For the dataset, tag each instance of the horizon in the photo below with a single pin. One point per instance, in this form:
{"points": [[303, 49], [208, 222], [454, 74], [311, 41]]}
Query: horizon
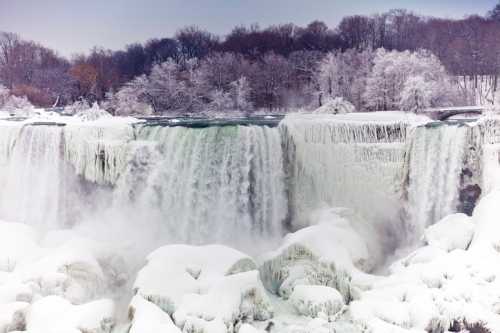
{"points": [[112, 27]]}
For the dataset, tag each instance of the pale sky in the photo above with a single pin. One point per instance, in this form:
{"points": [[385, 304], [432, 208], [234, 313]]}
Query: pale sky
{"points": [[71, 26]]}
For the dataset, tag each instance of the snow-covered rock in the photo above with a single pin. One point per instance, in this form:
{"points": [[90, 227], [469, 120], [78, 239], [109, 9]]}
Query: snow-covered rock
{"points": [[189, 269], [54, 314], [452, 232], [147, 317], [315, 300], [239, 297], [325, 254], [205, 288]]}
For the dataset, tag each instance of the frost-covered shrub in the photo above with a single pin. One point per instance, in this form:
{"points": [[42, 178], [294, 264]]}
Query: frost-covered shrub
{"points": [[92, 114], [127, 101], [336, 105], [315, 300], [77, 106], [12, 103]]}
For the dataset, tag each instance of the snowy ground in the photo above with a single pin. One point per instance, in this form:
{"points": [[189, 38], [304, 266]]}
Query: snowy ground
{"points": [[316, 281]]}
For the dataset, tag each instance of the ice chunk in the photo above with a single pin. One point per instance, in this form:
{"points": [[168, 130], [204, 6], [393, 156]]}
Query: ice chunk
{"points": [[313, 300]]}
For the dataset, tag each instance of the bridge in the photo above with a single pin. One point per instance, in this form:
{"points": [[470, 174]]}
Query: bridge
{"points": [[446, 113]]}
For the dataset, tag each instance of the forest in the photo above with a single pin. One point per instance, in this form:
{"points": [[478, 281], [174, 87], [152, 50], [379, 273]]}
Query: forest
{"points": [[390, 61]]}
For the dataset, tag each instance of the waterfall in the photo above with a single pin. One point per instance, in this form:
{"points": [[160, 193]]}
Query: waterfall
{"points": [[32, 177], [335, 162], [436, 159], [217, 184], [238, 184]]}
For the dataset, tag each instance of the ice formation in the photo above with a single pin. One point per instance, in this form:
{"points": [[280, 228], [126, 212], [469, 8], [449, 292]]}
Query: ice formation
{"points": [[322, 204]]}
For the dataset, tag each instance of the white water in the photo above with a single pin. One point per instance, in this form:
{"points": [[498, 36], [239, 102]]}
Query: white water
{"points": [[436, 159], [219, 184]]}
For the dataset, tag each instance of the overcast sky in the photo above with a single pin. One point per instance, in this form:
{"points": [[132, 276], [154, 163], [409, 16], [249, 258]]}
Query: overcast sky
{"points": [[71, 26]]}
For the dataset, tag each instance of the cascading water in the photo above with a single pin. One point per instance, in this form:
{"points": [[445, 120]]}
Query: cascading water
{"points": [[218, 184], [32, 179], [436, 157], [231, 184]]}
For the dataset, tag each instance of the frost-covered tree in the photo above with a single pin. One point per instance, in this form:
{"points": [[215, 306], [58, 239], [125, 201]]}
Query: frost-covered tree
{"points": [[220, 101], [344, 75], [240, 93], [408, 80], [336, 105], [77, 106], [11, 103]]}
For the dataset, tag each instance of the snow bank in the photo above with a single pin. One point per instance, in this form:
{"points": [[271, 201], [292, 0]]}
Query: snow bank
{"points": [[452, 232], [486, 216], [444, 283], [314, 301]]}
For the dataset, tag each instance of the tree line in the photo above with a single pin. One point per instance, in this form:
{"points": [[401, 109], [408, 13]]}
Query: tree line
{"points": [[275, 68]]}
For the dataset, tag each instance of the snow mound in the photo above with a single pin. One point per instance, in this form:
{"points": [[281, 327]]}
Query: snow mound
{"points": [[325, 254], [147, 317], [18, 243], [187, 281], [58, 264], [452, 232], [77, 269], [442, 285], [93, 114], [246, 328], [54, 314], [335, 106], [486, 217], [189, 269], [314, 301], [239, 297]]}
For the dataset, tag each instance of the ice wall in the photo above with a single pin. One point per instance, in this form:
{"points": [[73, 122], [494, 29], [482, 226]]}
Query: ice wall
{"points": [[346, 162]]}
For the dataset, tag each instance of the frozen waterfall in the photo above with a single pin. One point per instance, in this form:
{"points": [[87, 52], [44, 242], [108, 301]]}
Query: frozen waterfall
{"points": [[237, 184]]}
